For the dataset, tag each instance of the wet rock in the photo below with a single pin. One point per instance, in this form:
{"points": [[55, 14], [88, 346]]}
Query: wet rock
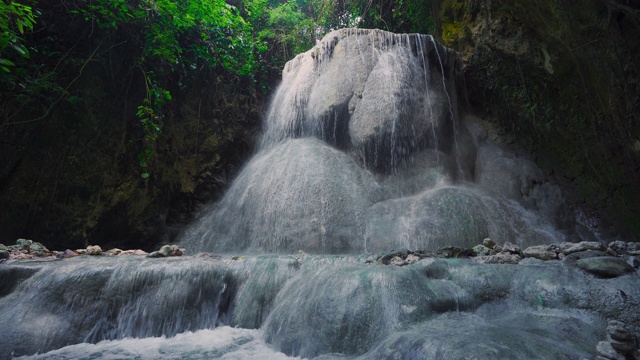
{"points": [[542, 252], [454, 252], [623, 346], [616, 331], [4, 254], [583, 255], [386, 258], [411, 259], [171, 250], [606, 350], [604, 266], [488, 243], [133, 252], [2, 247], [155, 254], [511, 248], [481, 250], [618, 246], [94, 250], [114, 251], [632, 260], [499, 258], [397, 261], [570, 248], [24, 244], [69, 253]]}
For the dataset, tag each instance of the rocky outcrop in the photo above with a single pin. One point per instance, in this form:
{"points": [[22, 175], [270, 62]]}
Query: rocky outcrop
{"points": [[362, 90], [562, 80]]}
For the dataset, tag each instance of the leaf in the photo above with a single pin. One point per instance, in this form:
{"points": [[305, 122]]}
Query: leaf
{"points": [[143, 163], [6, 62], [21, 50], [144, 175]]}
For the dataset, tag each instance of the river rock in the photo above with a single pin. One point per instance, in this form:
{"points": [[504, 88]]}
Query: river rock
{"points": [[114, 251], [411, 259], [397, 261], [4, 254], [604, 266], [618, 246], [616, 331], [632, 260], [499, 258], [155, 254], [481, 250], [94, 250], [583, 255], [134, 252], [488, 243], [542, 252], [606, 350], [569, 248], [69, 254], [511, 248], [171, 250]]}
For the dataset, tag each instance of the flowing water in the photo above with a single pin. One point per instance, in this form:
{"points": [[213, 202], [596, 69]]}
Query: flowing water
{"points": [[364, 150]]}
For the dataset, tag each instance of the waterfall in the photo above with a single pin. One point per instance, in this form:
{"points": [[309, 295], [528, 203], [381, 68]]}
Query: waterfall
{"points": [[364, 150]]}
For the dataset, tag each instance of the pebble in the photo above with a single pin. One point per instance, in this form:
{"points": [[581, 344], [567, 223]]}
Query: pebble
{"points": [[542, 252]]}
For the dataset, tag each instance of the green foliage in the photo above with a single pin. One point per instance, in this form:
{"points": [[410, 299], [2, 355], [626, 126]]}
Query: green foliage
{"points": [[15, 19]]}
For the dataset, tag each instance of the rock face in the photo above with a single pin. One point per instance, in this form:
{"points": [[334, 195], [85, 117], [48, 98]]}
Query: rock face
{"points": [[363, 90], [364, 151]]}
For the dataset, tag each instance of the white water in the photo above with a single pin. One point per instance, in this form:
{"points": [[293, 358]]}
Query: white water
{"points": [[363, 151]]}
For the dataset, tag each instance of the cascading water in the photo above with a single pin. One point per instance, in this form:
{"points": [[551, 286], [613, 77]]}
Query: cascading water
{"points": [[363, 151]]}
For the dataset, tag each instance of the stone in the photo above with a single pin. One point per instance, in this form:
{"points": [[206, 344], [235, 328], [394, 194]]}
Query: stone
{"points": [[114, 251], [617, 331], [385, 259], [397, 261], [604, 266], [133, 252], [2, 247], [618, 246], [542, 252], [411, 259], [69, 254], [81, 251], [623, 346], [632, 260], [24, 244], [94, 250], [4, 254], [488, 243], [499, 258], [606, 350], [583, 255], [511, 248], [481, 250], [171, 250], [569, 248], [155, 254]]}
